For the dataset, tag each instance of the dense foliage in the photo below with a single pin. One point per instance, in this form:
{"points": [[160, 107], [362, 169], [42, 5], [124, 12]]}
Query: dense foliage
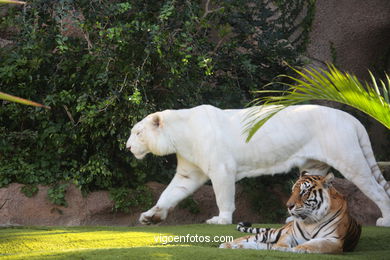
{"points": [[103, 65]]}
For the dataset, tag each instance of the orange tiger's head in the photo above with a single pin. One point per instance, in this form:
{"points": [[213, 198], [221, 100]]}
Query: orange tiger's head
{"points": [[310, 198]]}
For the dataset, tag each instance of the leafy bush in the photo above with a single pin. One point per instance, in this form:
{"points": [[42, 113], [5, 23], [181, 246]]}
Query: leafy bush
{"points": [[266, 194], [57, 193], [29, 190], [190, 204], [103, 65], [127, 199]]}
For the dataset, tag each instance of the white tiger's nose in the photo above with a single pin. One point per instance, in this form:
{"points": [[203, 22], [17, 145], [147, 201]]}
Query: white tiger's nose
{"points": [[128, 145]]}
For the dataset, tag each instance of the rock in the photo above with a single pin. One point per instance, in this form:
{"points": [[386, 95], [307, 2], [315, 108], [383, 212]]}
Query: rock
{"points": [[96, 208], [352, 34], [18, 209], [360, 206]]}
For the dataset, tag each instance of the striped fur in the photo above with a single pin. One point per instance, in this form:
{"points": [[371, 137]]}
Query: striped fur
{"points": [[369, 155], [321, 223]]}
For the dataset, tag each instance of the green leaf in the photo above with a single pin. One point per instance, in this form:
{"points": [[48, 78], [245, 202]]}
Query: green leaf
{"points": [[23, 101], [331, 85], [12, 2]]}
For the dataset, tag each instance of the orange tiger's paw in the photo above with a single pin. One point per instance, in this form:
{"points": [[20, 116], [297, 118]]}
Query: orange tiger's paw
{"points": [[303, 249], [226, 245], [282, 248]]}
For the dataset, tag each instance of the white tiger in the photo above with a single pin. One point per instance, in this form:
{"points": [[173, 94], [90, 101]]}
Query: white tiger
{"points": [[210, 145]]}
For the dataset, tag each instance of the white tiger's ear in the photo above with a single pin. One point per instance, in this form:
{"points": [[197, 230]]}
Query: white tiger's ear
{"points": [[157, 121], [328, 179]]}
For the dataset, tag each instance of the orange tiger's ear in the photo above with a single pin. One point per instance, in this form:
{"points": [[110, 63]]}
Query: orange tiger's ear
{"points": [[328, 179], [304, 173]]}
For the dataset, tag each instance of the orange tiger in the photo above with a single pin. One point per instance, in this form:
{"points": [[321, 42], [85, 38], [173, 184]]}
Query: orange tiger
{"points": [[321, 222]]}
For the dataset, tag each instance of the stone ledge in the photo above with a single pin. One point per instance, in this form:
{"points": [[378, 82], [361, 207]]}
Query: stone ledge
{"points": [[96, 208]]}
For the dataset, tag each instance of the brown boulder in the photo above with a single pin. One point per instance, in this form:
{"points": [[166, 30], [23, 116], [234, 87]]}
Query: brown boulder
{"points": [[96, 208], [360, 206]]}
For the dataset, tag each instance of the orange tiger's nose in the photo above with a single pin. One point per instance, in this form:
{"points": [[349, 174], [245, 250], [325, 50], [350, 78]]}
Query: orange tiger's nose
{"points": [[290, 205]]}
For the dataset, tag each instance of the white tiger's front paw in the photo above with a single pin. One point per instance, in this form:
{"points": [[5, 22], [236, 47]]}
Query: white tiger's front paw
{"points": [[153, 216], [219, 220], [383, 222]]}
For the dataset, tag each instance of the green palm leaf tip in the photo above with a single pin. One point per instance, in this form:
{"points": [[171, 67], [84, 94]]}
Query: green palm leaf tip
{"points": [[11, 98], [330, 85], [23, 101], [12, 2]]}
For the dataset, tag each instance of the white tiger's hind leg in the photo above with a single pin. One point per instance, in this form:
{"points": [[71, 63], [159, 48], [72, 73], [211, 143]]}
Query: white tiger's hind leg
{"points": [[377, 194], [359, 173], [382, 187]]}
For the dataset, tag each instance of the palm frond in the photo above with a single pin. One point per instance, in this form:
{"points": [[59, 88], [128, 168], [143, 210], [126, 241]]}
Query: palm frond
{"points": [[11, 98], [23, 101], [331, 85], [12, 2]]}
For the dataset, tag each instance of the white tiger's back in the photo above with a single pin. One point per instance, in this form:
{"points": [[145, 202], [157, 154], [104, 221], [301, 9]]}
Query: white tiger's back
{"points": [[286, 140]]}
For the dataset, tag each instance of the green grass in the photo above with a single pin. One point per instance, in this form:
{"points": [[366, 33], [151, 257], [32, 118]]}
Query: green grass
{"points": [[139, 243]]}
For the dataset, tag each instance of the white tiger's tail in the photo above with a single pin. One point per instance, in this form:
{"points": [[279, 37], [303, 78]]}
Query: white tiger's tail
{"points": [[365, 144]]}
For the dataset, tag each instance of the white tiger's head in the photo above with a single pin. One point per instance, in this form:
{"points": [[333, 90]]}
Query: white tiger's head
{"points": [[310, 198], [148, 136]]}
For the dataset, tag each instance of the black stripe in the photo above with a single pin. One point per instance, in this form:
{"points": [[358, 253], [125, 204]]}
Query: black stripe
{"points": [[265, 237], [295, 240], [331, 231], [329, 221], [321, 196], [300, 230], [352, 236], [278, 235], [258, 230], [294, 235]]}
